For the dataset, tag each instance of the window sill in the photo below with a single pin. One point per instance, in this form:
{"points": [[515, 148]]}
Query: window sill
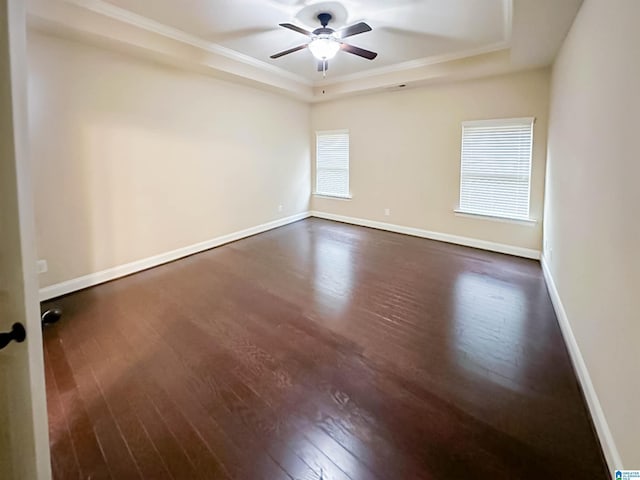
{"points": [[333, 197], [530, 222]]}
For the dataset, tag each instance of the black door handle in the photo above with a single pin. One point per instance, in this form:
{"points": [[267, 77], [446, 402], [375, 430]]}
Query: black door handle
{"points": [[17, 333]]}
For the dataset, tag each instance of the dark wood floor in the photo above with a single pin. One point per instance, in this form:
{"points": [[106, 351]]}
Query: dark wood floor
{"points": [[318, 350]]}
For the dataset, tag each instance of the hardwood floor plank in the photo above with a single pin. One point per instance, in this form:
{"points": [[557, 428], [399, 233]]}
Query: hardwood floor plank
{"points": [[318, 350], [117, 456], [171, 361], [89, 454], [106, 370], [257, 414], [203, 458], [64, 462]]}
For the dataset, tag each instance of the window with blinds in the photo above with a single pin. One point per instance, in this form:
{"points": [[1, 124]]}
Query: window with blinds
{"points": [[495, 169], [332, 163]]}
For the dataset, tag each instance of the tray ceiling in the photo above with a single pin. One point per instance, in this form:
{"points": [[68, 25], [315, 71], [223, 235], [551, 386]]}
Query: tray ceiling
{"points": [[418, 41], [403, 30]]}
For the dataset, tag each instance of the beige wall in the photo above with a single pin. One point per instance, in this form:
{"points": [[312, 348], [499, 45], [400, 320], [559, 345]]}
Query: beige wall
{"points": [[591, 225], [132, 159], [405, 153]]}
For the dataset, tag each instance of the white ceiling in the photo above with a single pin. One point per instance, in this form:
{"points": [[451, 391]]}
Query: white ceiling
{"points": [[403, 30], [418, 41]]}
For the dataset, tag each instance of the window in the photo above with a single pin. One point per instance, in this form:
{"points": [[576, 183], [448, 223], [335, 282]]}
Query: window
{"points": [[495, 168], [332, 163]]}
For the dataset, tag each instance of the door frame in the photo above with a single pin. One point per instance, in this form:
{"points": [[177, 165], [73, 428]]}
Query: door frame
{"points": [[38, 460]]}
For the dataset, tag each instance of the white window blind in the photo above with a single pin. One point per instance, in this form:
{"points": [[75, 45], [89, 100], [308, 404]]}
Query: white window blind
{"points": [[495, 168], [332, 163]]}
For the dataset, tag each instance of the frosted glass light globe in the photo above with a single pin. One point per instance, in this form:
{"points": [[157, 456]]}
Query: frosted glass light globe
{"points": [[324, 47]]}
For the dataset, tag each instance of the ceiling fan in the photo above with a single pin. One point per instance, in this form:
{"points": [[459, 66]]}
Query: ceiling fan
{"points": [[325, 42]]}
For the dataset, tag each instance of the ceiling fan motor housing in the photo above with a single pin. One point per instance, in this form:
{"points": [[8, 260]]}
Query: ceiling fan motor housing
{"points": [[324, 18], [323, 31]]}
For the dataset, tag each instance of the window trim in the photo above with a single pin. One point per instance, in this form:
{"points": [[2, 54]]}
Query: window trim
{"points": [[332, 197], [347, 196], [523, 221], [529, 220]]}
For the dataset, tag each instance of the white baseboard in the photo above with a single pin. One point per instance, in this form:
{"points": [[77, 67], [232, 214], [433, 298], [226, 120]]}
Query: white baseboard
{"points": [[102, 276], [96, 278], [442, 237], [611, 453]]}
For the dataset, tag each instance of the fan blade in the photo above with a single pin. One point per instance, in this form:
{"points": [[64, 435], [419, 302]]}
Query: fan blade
{"points": [[361, 52], [354, 29], [296, 28], [291, 50], [323, 65]]}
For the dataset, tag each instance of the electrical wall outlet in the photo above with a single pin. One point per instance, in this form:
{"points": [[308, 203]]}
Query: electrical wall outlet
{"points": [[280, 208], [387, 211], [42, 266]]}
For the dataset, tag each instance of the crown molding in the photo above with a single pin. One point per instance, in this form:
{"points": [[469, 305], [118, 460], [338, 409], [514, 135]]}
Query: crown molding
{"points": [[468, 68], [71, 20], [109, 10], [414, 64], [507, 25], [102, 23]]}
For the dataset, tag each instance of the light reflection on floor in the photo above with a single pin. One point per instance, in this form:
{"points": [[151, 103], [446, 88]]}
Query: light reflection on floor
{"points": [[489, 322], [333, 276]]}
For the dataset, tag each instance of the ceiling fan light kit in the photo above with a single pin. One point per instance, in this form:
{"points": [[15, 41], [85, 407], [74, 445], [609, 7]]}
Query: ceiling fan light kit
{"points": [[324, 47], [326, 42]]}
